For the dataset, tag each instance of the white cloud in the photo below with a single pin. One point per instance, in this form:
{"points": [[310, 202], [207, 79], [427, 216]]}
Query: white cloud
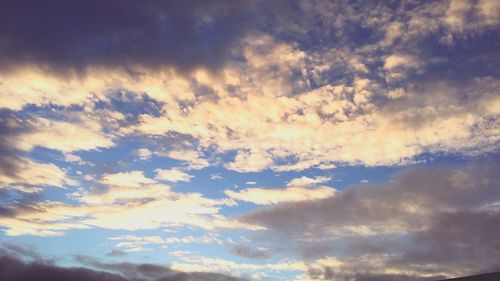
{"points": [[62, 136], [263, 196], [127, 201], [173, 175], [306, 181], [31, 176], [249, 162], [340, 122], [194, 159], [216, 177], [144, 153], [131, 242], [129, 179], [400, 60]]}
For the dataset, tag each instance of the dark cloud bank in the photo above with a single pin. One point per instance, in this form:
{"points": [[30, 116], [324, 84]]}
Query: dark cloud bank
{"points": [[430, 222], [22, 264], [76, 34]]}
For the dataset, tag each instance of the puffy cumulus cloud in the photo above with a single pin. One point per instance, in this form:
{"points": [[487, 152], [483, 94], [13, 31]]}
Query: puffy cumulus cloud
{"points": [[490, 11], [173, 175], [133, 201], [458, 13], [269, 196], [45, 218], [354, 122], [336, 124], [73, 158], [22, 264], [84, 133], [306, 181], [123, 187], [127, 200], [31, 176], [126, 179], [144, 153], [192, 158], [32, 86], [425, 222], [399, 66], [19, 172], [454, 19], [398, 60], [246, 161], [278, 102]]}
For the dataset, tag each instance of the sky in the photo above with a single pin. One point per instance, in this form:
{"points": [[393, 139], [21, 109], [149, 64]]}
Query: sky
{"points": [[249, 140]]}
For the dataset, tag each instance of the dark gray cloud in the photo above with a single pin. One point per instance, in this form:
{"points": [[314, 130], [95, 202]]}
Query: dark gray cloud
{"points": [[247, 252], [397, 204], [117, 253], [74, 34], [16, 270], [149, 272], [21, 252], [19, 263], [482, 277], [431, 221]]}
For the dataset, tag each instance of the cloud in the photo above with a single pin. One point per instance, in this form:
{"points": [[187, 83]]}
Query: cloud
{"points": [[216, 177], [398, 60], [144, 153], [126, 179], [254, 86], [153, 272], [268, 196], [32, 176], [23, 268], [122, 201], [21, 173], [346, 122], [184, 35], [172, 175], [326, 105], [445, 215], [63, 136], [398, 66], [249, 162], [133, 243], [191, 263], [247, 252], [14, 269], [79, 133], [117, 253], [193, 159], [305, 181]]}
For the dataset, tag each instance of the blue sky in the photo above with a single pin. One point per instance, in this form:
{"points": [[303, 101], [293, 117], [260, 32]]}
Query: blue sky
{"points": [[250, 140]]}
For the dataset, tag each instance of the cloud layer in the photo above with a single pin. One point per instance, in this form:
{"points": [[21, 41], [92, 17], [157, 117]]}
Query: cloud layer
{"points": [[14, 268], [426, 222], [209, 135]]}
